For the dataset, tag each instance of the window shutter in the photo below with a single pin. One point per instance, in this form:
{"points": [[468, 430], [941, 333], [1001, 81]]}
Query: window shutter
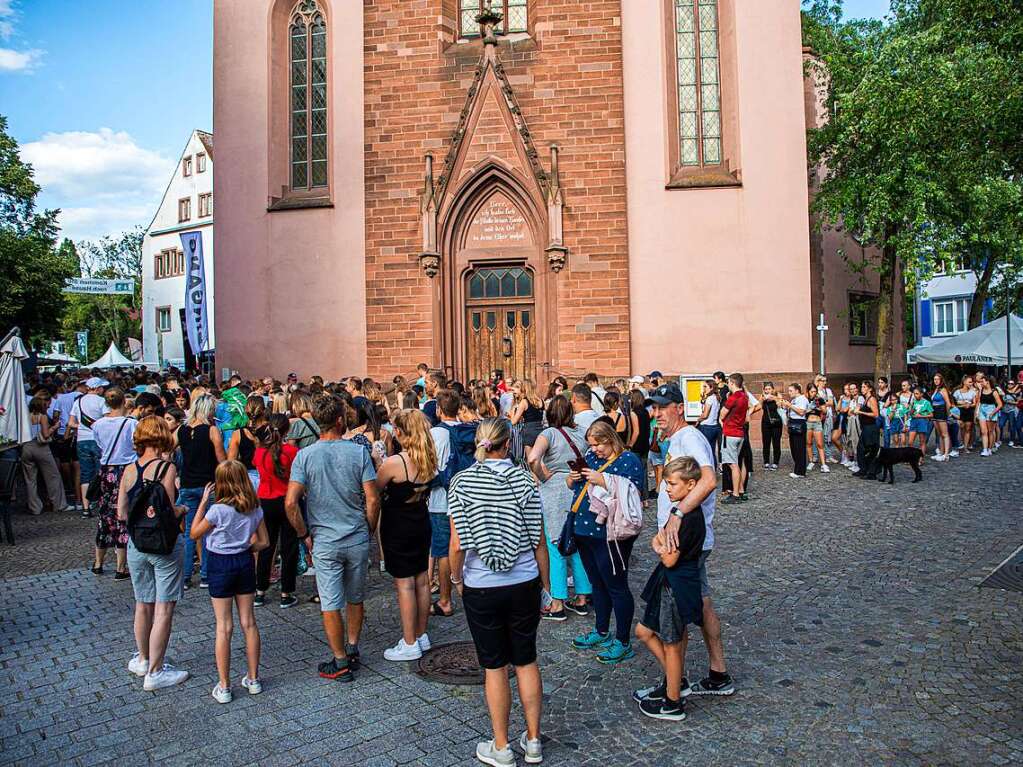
{"points": [[925, 318]]}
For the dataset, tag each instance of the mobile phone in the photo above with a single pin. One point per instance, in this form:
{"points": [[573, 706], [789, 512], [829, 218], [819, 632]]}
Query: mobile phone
{"points": [[577, 465]]}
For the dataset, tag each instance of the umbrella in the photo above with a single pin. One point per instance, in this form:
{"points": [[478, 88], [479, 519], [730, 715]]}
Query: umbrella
{"points": [[15, 425], [1008, 575]]}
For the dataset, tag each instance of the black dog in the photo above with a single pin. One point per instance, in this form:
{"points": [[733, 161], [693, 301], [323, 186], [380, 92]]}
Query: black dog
{"points": [[887, 457]]}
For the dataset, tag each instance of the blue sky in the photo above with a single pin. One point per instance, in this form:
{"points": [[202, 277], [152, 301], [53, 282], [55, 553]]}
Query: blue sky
{"points": [[103, 94]]}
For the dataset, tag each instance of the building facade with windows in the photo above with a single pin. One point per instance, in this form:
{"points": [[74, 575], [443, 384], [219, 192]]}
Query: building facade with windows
{"points": [[942, 306], [557, 187], [187, 206]]}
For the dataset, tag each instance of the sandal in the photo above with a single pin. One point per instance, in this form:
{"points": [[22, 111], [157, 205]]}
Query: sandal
{"points": [[97, 570], [438, 611], [434, 587]]}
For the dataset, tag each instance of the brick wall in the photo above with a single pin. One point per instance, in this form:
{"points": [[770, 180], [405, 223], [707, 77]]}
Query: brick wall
{"points": [[568, 82]]}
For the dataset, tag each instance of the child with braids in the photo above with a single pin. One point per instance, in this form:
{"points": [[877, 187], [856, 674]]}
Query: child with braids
{"points": [[273, 460]]}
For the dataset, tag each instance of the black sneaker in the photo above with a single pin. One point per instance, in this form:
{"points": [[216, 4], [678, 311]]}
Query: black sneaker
{"points": [[583, 609], [259, 600], [708, 686], [352, 651], [341, 670], [654, 692], [121, 576], [550, 615], [203, 584], [187, 584], [669, 710], [86, 514], [288, 601]]}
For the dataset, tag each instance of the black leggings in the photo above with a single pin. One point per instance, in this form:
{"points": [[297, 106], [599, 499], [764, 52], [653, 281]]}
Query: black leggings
{"points": [[277, 524], [867, 448], [771, 436], [797, 444], [610, 589]]}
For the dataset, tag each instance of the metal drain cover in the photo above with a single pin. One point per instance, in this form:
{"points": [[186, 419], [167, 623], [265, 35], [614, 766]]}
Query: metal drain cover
{"points": [[452, 663]]}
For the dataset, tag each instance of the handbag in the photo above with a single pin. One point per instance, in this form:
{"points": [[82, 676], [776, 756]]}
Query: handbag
{"points": [[95, 489], [797, 426]]}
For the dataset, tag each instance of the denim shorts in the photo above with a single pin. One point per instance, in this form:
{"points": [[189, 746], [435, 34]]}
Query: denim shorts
{"points": [[987, 413], [440, 535], [229, 575], [88, 460], [341, 573], [156, 577], [919, 425], [815, 426]]}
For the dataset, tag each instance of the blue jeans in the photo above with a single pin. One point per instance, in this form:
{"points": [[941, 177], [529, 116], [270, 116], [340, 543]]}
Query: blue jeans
{"points": [[190, 497], [610, 583], [713, 435], [1017, 427], [560, 567]]}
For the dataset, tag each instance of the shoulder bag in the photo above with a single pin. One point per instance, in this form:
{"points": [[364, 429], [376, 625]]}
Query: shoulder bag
{"points": [[566, 541]]}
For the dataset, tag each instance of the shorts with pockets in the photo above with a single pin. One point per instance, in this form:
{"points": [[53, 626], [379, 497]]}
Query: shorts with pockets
{"points": [[815, 426], [229, 575], [88, 459], [341, 573], [503, 621], [440, 535], [920, 425], [157, 577], [730, 450], [670, 627]]}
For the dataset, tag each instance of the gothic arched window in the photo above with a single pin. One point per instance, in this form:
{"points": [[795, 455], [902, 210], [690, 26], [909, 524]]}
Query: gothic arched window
{"points": [[699, 89], [308, 57]]}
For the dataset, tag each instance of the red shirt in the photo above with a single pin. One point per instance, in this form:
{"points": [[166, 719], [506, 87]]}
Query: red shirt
{"points": [[270, 485], [737, 405]]}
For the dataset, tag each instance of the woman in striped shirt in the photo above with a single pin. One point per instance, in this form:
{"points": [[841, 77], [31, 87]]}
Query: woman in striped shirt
{"points": [[496, 542]]}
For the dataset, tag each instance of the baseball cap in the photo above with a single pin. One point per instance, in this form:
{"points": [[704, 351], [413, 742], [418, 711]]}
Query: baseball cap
{"points": [[637, 379], [655, 374], [292, 376], [667, 394], [96, 383]]}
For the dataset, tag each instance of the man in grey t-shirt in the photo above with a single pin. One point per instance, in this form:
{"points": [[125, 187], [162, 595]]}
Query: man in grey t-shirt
{"points": [[338, 481]]}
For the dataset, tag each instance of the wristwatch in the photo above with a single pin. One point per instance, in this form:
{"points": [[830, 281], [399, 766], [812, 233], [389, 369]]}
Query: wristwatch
{"points": [[676, 513]]}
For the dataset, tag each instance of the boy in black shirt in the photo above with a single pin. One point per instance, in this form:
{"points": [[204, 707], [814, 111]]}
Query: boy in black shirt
{"points": [[673, 598]]}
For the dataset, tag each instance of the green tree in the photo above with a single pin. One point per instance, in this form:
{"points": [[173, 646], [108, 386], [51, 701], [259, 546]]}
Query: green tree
{"points": [[34, 269]]}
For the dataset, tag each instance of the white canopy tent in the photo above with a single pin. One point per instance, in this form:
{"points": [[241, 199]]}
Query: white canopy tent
{"points": [[15, 425], [111, 359], [985, 345]]}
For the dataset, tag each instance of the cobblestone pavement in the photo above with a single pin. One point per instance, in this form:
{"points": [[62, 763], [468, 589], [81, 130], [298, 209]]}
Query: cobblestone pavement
{"points": [[852, 620]]}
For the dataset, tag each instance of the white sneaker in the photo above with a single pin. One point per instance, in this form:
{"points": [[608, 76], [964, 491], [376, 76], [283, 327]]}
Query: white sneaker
{"points": [[825, 469], [402, 651], [954, 454], [998, 445], [939, 458], [533, 749], [220, 695], [138, 665], [985, 453], [254, 686], [809, 466], [795, 476], [488, 754], [168, 676], [854, 467], [424, 643]]}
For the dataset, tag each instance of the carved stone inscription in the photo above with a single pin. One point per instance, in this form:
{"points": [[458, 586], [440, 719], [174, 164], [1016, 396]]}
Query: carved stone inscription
{"points": [[498, 224]]}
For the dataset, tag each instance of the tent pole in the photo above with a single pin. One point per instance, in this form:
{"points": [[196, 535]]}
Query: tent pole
{"points": [[1008, 329]]}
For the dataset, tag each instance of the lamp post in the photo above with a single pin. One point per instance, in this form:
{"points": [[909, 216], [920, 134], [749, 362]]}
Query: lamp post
{"points": [[1008, 326], [822, 329]]}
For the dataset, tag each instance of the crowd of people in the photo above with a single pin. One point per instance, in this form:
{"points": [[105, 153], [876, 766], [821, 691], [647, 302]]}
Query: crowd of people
{"points": [[521, 507]]}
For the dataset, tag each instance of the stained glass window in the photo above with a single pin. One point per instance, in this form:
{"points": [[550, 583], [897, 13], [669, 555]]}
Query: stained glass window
{"points": [[699, 86], [513, 12], [514, 282], [308, 41]]}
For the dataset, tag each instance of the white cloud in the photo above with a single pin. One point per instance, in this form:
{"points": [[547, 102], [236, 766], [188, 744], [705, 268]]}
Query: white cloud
{"points": [[103, 181], [12, 60], [18, 61]]}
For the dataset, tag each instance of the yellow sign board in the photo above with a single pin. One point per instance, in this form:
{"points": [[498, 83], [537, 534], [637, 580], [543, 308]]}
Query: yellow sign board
{"points": [[691, 386]]}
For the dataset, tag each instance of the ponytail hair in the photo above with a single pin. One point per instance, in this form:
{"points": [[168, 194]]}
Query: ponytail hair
{"points": [[492, 435], [272, 436]]}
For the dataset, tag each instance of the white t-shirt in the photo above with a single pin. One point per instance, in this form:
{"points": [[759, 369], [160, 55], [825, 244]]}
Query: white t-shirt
{"points": [[585, 419], [688, 441], [438, 502], [715, 411], [597, 400], [95, 408], [105, 430], [803, 404], [64, 402], [506, 401]]}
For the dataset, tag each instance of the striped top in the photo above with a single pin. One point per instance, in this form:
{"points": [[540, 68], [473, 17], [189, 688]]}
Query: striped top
{"points": [[497, 515]]}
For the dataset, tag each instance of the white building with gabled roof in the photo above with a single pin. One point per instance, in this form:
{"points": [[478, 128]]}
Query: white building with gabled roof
{"points": [[187, 206]]}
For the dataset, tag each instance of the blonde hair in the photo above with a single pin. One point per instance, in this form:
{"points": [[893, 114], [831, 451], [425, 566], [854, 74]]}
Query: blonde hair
{"points": [[603, 433], [234, 488], [279, 403], [484, 404], [371, 391], [529, 392], [203, 408], [416, 441], [686, 467], [301, 403], [492, 435]]}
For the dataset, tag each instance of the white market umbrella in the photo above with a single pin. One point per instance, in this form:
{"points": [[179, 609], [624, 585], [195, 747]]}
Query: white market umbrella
{"points": [[15, 424], [112, 358], [984, 345]]}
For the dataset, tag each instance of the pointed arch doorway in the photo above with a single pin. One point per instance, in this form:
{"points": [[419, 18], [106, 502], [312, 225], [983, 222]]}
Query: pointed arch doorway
{"points": [[494, 308]]}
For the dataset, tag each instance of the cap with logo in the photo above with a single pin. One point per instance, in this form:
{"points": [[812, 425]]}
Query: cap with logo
{"points": [[655, 374], [96, 383], [637, 379], [667, 394]]}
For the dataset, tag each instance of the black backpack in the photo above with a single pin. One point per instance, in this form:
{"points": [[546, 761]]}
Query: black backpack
{"points": [[152, 523]]}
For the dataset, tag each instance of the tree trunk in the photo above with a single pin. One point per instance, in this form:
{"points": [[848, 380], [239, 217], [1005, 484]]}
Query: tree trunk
{"points": [[980, 295], [886, 311]]}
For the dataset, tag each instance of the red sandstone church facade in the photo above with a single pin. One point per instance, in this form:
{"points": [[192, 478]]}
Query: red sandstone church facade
{"points": [[611, 185]]}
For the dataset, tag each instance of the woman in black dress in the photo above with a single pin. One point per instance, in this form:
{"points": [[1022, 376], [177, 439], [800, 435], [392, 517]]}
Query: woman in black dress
{"points": [[404, 483]]}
